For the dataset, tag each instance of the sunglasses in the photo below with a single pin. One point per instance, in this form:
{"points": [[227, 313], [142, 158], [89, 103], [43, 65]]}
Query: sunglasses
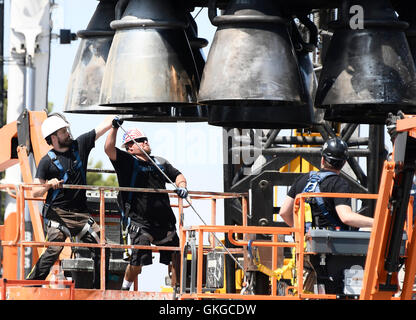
{"points": [[141, 140], [138, 140]]}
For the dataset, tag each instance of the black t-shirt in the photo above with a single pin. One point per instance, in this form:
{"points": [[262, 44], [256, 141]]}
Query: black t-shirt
{"points": [[151, 210], [68, 199], [333, 184]]}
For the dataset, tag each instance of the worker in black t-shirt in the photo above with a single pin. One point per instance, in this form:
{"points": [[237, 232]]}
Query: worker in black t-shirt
{"points": [[334, 156], [336, 214], [151, 219], [65, 211]]}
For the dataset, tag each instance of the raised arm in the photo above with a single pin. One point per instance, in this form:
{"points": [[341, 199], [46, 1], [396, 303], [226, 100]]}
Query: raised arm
{"points": [[103, 127], [180, 181], [110, 144]]}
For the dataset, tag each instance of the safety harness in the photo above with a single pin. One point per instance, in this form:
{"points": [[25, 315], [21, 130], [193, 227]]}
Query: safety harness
{"points": [[313, 185], [127, 225], [63, 175]]}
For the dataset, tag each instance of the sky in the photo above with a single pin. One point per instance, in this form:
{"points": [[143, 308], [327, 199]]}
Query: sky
{"points": [[193, 148]]}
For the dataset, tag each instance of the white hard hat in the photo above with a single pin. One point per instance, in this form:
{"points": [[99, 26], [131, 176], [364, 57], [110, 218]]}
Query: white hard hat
{"points": [[52, 124]]}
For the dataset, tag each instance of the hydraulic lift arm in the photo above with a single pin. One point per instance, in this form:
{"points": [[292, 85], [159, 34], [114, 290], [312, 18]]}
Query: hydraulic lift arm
{"points": [[20, 138], [383, 259]]}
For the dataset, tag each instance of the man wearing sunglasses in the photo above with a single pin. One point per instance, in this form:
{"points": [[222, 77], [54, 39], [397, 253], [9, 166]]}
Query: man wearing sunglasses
{"points": [[149, 215]]}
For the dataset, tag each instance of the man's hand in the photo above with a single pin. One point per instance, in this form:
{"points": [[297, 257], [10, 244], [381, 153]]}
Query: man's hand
{"points": [[117, 122], [55, 183], [391, 123], [182, 192]]}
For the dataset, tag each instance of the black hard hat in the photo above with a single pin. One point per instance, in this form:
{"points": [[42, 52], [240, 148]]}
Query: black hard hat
{"points": [[335, 152]]}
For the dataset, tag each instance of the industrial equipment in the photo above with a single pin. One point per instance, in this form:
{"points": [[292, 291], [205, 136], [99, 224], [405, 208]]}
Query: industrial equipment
{"points": [[315, 68]]}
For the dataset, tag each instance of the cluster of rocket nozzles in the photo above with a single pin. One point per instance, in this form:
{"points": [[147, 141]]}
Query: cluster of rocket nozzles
{"points": [[143, 59]]}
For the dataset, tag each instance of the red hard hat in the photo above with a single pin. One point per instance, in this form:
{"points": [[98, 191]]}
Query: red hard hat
{"points": [[131, 135]]}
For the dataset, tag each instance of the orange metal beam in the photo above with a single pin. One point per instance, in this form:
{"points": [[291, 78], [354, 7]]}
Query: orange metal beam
{"points": [[378, 240], [35, 216], [7, 133], [410, 269], [39, 145]]}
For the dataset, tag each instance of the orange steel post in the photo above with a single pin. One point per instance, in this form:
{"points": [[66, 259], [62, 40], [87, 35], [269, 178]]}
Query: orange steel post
{"points": [[10, 253], [180, 213], [182, 236], [274, 265], [22, 234], [409, 220], [183, 254], [373, 271], [213, 221], [200, 261], [300, 245], [410, 268], [3, 288], [102, 239], [245, 235], [244, 209]]}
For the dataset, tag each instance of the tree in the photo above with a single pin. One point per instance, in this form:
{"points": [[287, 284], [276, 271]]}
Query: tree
{"points": [[97, 179]]}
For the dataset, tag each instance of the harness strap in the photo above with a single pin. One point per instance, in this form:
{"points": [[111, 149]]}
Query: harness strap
{"points": [[88, 228], [59, 226], [63, 174], [313, 185], [135, 227]]}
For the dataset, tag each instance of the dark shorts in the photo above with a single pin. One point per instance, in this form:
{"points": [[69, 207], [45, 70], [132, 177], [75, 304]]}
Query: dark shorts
{"points": [[144, 257]]}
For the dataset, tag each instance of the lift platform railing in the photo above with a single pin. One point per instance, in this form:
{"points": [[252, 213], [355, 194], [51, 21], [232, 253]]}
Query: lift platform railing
{"points": [[229, 230], [297, 231], [299, 222], [382, 200], [20, 195]]}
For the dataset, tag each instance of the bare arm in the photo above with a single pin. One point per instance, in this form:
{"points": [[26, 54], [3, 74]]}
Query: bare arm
{"points": [[110, 144], [41, 190], [352, 218], [103, 127], [286, 211], [180, 181]]}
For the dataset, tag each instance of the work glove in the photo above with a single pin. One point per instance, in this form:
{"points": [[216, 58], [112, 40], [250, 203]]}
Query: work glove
{"points": [[182, 192], [391, 123], [117, 122]]}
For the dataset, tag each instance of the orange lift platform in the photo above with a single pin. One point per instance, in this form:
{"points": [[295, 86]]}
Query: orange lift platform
{"points": [[379, 279]]}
